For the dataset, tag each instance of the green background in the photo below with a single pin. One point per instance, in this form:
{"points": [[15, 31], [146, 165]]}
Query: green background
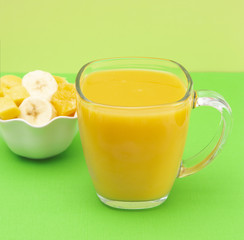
{"points": [[61, 36], [55, 199]]}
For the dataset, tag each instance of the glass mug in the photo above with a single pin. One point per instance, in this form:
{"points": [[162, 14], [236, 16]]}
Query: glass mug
{"points": [[134, 154]]}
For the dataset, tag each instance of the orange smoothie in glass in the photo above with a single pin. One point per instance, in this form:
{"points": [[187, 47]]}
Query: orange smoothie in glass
{"points": [[132, 141]]}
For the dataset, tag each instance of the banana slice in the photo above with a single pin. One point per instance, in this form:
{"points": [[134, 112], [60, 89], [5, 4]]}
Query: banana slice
{"points": [[37, 111], [40, 84]]}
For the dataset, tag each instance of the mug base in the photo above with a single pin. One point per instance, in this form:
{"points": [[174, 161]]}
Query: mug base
{"points": [[132, 204]]}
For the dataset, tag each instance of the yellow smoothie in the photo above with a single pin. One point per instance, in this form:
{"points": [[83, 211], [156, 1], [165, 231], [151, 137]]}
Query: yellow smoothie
{"points": [[132, 137]]}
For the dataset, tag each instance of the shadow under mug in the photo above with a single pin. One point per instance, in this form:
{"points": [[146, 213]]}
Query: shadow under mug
{"points": [[134, 154]]}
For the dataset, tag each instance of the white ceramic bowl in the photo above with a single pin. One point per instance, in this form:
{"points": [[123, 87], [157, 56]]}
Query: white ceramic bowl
{"points": [[34, 142]]}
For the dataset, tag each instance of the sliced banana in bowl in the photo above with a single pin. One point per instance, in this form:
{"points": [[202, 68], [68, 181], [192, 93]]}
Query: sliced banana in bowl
{"points": [[29, 121], [40, 84], [37, 111]]}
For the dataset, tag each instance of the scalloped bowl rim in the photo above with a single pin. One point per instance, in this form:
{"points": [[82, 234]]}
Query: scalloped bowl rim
{"points": [[41, 126]]}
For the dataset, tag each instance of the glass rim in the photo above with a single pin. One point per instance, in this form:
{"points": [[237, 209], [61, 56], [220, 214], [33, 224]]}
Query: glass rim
{"points": [[83, 68]]}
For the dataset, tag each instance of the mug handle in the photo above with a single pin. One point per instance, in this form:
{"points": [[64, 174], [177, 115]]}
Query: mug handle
{"points": [[207, 154]]}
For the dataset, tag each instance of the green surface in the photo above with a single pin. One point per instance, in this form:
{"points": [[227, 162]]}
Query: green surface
{"points": [[61, 36], [55, 199]]}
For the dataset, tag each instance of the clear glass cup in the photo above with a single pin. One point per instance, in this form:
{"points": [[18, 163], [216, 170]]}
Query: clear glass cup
{"points": [[123, 167]]}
